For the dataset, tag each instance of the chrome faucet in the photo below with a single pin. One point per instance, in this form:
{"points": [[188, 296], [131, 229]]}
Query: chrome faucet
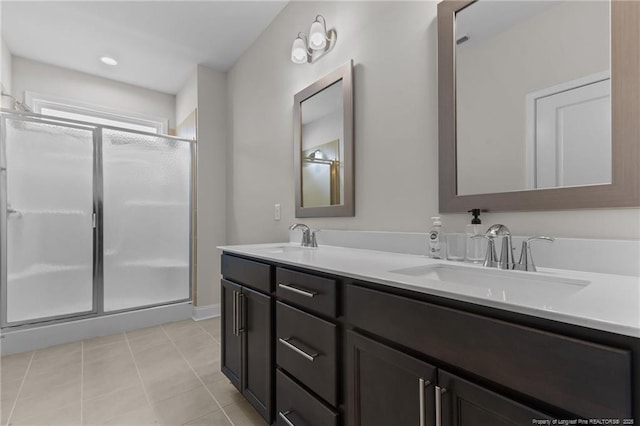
{"points": [[308, 236], [506, 254], [526, 259], [491, 258]]}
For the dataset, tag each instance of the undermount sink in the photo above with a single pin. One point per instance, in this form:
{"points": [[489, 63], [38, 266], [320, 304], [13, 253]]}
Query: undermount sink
{"points": [[285, 248], [509, 286]]}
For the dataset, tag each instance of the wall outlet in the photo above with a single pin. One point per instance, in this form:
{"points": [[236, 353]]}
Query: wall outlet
{"points": [[276, 211]]}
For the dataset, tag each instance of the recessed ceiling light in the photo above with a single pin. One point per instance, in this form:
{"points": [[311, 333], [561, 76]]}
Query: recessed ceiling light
{"points": [[108, 60]]}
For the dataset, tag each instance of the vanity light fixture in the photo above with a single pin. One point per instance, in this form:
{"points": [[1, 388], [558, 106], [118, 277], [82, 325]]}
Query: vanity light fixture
{"points": [[316, 45], [108, 60]]}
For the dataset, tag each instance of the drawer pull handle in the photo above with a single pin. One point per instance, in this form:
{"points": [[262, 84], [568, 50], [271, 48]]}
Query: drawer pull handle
{"points": [[283, 416], [296, 349], [297, 290], [439, 392], [423, 403]]}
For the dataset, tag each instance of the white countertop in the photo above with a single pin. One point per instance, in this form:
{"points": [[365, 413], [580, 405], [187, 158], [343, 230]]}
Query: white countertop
{"points": [[607, 302]]}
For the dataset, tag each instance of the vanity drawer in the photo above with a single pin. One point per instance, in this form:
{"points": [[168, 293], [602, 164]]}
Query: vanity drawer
{"points": [[309, 291], [581, 377], [299, 406], [247, 272], [306, 348]]}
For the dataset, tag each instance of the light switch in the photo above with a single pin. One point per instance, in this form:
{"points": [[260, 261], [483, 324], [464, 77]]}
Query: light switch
{"points": [[276, 211]]}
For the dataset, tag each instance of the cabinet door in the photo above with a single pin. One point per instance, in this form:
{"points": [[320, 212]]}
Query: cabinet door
{"points": [[231, 342], [256, 328], [387, 387], [466, 404]]}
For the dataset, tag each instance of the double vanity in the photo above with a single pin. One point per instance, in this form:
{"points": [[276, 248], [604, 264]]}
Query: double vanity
{"points": [[342, 336]]}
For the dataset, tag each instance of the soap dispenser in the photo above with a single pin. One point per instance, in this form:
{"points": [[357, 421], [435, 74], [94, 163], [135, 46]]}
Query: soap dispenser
{"points": [[476, 247], [435, 239]]}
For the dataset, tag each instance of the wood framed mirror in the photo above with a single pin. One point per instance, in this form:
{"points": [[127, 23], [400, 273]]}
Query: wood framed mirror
{"points": [[323, 146], [482, 164]]}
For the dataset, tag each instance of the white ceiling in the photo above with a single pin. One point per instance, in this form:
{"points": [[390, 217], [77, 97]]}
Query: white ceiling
{"points": [[157, 43]]}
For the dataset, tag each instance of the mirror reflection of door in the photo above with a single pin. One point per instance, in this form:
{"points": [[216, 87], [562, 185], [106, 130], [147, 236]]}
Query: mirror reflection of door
{"points": [[569, 134], [505, 52], [321, 175], [322, 148]]}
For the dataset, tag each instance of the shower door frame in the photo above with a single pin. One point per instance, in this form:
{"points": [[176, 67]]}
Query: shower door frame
{"points": [[98, 229]]}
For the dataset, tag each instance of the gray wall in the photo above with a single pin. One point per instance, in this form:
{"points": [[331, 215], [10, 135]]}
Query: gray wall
{"points": [[393, 45]]}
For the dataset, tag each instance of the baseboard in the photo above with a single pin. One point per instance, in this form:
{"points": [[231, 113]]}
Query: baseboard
{"points": [[22, 340], [205, 312]]}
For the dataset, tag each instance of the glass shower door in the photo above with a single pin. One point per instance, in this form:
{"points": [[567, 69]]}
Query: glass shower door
{"points": [[146, 217], [47, 217]]}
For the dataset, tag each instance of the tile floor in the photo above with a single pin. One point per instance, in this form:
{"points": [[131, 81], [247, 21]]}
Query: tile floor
{"points": [[164, 375]]}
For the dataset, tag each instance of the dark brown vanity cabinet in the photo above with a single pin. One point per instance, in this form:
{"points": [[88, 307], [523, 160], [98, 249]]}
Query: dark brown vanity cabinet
{"points": [[247, 336], [328, 350], [387, 386], [306, 349]]}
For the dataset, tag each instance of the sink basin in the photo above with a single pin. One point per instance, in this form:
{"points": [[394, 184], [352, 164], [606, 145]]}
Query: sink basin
{"points": [[285, 248], [509, 286]]}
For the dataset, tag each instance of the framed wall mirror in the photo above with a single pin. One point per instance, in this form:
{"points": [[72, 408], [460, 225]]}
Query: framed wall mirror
{"points": [[538, 104], [323, 146]]}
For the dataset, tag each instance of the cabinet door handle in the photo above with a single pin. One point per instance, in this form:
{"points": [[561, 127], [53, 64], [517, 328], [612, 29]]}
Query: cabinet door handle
{"points": [[297, 290], [439, 392], [241, 314], [296, 349], [234, 313], [423, 403], [283, 416]]}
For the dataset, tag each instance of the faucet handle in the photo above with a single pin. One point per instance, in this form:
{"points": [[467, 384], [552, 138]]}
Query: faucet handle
{"points": [[491, 258], [313, 242], [526, 258]]}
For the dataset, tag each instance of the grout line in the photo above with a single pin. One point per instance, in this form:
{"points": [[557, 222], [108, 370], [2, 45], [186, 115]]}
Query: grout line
{"points": [[144, 388], [81, 381], [198, 376], [210, 335], [24, 378]]}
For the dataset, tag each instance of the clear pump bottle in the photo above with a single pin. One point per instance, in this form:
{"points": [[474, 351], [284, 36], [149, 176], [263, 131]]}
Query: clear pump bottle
{"points": [[476, 247]]}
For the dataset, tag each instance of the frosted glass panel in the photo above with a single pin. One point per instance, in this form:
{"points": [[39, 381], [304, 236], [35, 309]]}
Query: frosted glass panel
{"points": [[49, 220], [146, 219]]}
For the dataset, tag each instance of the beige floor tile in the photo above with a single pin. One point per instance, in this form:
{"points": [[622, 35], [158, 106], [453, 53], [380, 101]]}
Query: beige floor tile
{"points": [[217, 418], [7, 399], [142, 416], [194, 340], [96, 342], [158, 354], [182, 329], [210, 379], [211, 326], [144, 332], [38, 386], [153, 340], [171, 384], [46, 401], [185, 407], [104, 352], [225, 393], [243, 414], [52, 363], [98, 382], [13, 367], [59, 416], [97, 410], [58, 351]]}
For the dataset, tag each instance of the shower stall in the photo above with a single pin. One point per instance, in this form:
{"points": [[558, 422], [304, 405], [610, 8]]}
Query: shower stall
{"points": [[94, 220]]}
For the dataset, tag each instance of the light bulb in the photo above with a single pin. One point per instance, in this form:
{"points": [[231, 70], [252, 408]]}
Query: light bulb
{"points": [[108, 60], [299, 51], [317, 36]]}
